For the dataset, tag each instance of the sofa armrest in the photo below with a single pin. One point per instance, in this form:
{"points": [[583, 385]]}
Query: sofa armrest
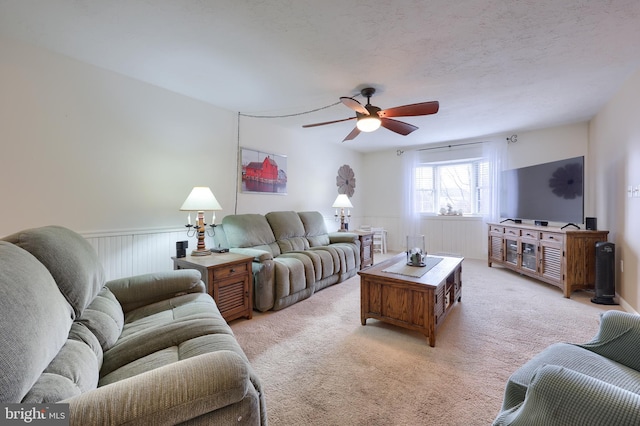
{"points": [[257, 254], [168, 395], [342, 237], [560, 396], [141, 290], [618, 338]]}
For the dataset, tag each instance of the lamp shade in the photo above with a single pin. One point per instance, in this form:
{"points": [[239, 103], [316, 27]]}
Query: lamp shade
{"points": [[368, 124], [342, 202], [200, 199]]}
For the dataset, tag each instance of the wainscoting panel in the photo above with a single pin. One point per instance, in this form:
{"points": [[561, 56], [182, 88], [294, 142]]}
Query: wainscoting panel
{"points": [[124, 254], [462, 236]]}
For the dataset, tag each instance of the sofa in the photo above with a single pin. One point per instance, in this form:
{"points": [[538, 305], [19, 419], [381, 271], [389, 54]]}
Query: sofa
{"points": [[149, 349], [294, 254], [596, 383]]}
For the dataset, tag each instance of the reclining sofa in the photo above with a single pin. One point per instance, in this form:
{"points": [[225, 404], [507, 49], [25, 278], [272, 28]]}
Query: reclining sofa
{"points": [[595, 383], [293, 254], [146, 350]]}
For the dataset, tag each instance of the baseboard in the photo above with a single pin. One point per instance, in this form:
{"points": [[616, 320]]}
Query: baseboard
{"points": [[625, 305]]}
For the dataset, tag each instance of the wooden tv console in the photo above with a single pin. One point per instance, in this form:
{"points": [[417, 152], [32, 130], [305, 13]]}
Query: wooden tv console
{"points": [[561, 257]]}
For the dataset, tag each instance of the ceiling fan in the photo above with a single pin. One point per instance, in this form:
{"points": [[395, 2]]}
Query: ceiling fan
{"points": [[371, 117]]}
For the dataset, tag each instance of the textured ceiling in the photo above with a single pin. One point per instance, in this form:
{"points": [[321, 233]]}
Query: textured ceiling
{"points": [[496, 66]]}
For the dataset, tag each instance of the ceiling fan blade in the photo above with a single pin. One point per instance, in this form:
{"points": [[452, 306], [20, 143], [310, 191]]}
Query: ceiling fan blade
{"points": [[354, 105], [355, 132], [328, 122], [422, 108], [397, 126]]}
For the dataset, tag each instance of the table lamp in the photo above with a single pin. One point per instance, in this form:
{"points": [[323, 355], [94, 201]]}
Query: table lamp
{"points": [[200, 199], [342, 202]]}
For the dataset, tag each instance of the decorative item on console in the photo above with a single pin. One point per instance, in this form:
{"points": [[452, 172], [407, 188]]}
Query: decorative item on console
{"points": [[416, 251]]}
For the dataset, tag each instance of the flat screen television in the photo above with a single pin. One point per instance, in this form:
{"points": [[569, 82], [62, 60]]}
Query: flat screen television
{"points": [[552, 192]]}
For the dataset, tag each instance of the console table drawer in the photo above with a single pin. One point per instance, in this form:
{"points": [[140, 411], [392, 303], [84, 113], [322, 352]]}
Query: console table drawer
{"points": [[511, 232], [550, 236], [221, 273], [495, 229], [529, 234]]}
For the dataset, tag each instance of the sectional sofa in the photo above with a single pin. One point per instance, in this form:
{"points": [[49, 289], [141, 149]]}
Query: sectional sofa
{"points": [[294, 254], [146, 350]]}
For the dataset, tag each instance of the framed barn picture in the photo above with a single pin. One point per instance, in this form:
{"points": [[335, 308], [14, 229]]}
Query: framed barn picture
{"points": [[261, 172]]}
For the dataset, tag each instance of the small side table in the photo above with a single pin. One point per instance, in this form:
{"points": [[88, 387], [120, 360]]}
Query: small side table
{"points": [[366, 247], [227, 277]]}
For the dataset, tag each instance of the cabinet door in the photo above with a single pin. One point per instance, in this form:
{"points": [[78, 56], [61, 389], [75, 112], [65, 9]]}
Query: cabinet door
{"points": [[529, 254], [233, 297], [231, 290], [551, 264], [511, 246], [511, 254], [496, 251]]}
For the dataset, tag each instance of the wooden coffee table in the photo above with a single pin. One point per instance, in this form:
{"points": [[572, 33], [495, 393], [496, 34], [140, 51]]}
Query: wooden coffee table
{"points": [[416, 303]]}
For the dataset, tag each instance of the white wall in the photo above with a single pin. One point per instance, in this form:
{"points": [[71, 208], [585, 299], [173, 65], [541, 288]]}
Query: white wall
{"points": [[109, 156], [542, 146], [615, 159], [93, 150]]}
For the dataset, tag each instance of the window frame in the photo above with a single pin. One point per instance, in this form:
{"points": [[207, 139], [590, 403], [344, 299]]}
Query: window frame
{"points": [[475, 189]]}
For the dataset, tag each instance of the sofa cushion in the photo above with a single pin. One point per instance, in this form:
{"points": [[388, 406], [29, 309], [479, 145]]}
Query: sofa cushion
{"points": [[315, 228], [163, 325], [73, 371], [288, 230], [70, 259], [250, 230], [31, 305], [184, 350], [104, 317]]}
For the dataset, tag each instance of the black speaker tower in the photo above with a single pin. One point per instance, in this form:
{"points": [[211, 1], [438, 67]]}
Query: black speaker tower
{"points": [[605, 274]]}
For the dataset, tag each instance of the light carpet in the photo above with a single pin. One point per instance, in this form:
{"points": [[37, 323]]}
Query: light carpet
{"points": [[320, 366]]}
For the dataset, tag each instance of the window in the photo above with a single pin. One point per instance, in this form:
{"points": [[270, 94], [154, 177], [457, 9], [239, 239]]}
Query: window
{"points": [[463, 185]]}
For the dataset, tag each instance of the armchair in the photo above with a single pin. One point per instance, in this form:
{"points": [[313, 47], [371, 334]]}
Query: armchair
{"points": [[595, 383]]}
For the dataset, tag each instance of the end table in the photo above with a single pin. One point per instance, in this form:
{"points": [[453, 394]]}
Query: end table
{"points": [[228, 279], [366, 247]]}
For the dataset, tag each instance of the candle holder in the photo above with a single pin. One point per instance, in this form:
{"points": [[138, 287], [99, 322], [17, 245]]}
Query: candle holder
{"points": [[344, 219]]}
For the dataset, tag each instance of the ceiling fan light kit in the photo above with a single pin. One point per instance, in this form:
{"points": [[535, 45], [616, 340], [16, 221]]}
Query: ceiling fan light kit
{"points": [[369, 117], [368, 123]]}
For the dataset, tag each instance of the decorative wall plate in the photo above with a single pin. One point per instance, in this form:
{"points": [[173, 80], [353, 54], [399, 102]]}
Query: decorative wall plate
{"points": [[346, 181]]}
